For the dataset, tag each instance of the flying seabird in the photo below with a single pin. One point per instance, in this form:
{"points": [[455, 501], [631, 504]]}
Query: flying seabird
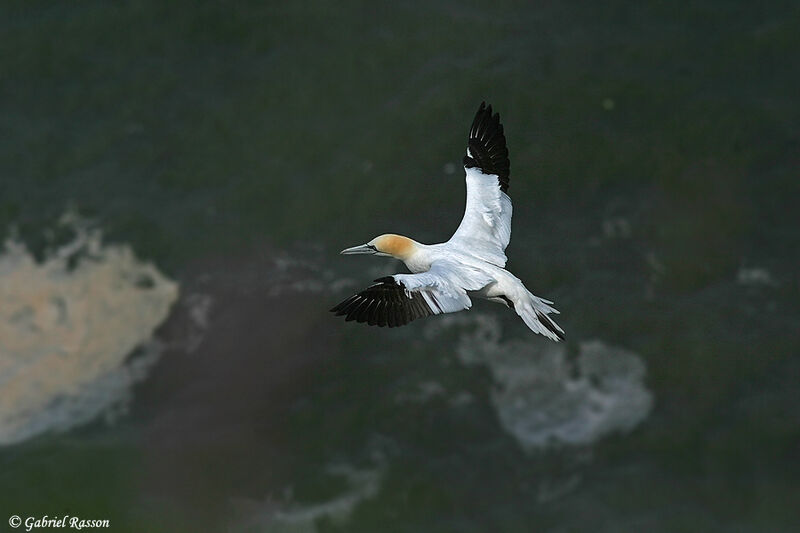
{"points": [[445, 275]]}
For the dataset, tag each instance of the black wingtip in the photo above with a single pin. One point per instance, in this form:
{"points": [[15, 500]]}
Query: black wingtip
{"points": [[486, 146], [386, 303]]}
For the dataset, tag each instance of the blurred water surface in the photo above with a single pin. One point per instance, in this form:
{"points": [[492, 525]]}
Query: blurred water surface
{"points": [[226, 153]]}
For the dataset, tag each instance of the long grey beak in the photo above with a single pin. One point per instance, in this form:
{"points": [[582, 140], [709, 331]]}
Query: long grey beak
{"points": [[363, 249]]}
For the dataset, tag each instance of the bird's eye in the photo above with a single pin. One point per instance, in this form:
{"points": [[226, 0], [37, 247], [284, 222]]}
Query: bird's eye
{"points": [[372, 247]]}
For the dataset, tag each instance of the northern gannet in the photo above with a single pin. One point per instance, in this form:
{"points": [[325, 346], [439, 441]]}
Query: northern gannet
{"points": [[471, 263]]}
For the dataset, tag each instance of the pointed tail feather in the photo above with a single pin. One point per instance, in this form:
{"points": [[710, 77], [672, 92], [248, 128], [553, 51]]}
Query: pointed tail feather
{"points": [[534, 311]]}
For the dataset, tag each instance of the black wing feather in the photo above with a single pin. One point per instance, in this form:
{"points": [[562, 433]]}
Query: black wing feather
{"points": [[487, 146], [382, 304]]}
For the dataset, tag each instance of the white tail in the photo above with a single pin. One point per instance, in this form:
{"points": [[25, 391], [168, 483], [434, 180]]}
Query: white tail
{"points": [[533, 311]]}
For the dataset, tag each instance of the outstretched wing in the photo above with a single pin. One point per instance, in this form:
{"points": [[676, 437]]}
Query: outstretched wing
{"points": [[399, 299], [485, 229], [387, 303]]}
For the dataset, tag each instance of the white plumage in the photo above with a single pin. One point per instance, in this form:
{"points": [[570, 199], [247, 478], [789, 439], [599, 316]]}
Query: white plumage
{"points": [[445, 276], [485, 230]]}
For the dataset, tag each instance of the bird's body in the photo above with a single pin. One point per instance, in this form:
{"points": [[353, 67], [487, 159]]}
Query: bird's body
{"points": [[471, 264]]}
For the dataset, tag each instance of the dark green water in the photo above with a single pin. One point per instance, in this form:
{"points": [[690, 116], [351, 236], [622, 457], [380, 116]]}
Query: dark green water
{"points": [[656, 187]]}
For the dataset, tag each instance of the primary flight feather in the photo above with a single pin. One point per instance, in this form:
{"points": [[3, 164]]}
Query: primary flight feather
{"points": [[471, 264]]}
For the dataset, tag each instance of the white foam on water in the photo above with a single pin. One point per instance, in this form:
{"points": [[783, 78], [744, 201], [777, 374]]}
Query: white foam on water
{"points": [[755, 277], [544, 398], [287, 517], [291, 274], [68, 328], [198, 307], [421, 393], [616, 228]]}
